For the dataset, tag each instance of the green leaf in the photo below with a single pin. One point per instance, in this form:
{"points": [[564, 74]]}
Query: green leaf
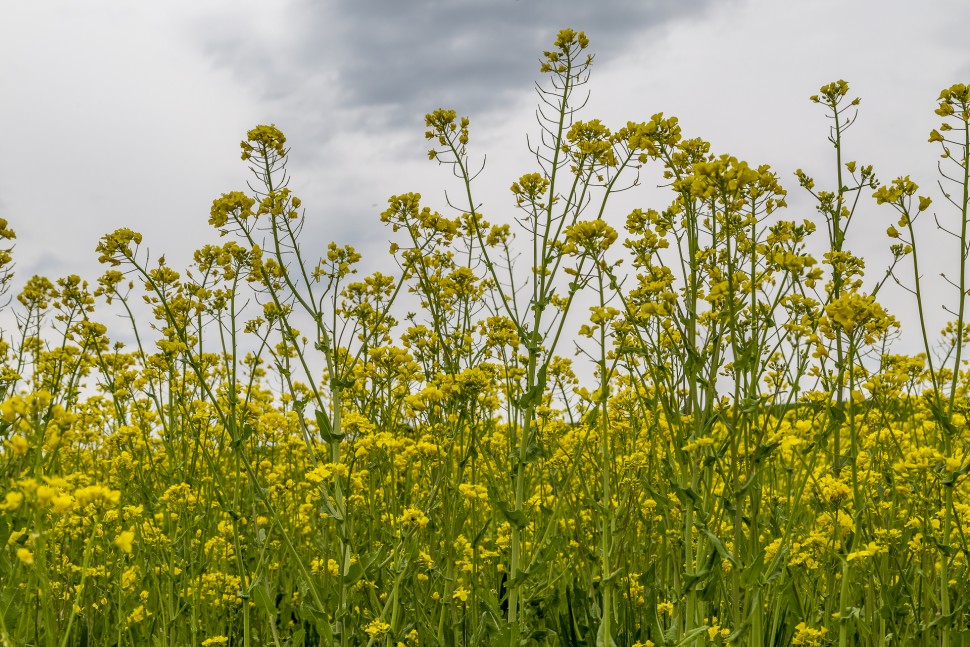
{"points": [[530, 398], [537, 635], [612, 576], [685, 494], [332, 509], [261, 598], [718, 545], [337, 384], [515, 517], [649, 582], [297, 639], [763, 451], [244, 435], [319, 620], [326, 428], [481, 533], [691, 635], [533, 396], [363, 566], [751, 573], [694, 580], [534, 451]]}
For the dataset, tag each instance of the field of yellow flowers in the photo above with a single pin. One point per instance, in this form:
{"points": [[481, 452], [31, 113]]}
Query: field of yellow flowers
{"points": [[285, 456]]}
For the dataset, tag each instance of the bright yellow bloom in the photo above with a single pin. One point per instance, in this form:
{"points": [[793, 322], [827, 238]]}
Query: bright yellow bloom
{"points": [[476, 491], [128, 578], [139, 614], [62, 504], [45, 494], [413, 517], [870, 550], [124, 540], [377, 628], [12, 501], [18, 445], [97, 493], [805, 635]]}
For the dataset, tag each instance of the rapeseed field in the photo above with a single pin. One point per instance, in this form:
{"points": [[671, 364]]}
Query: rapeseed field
{"points": [[289, 453]]}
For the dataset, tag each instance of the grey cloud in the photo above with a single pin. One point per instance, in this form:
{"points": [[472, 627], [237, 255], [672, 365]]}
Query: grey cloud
{"points": [[413, 56], [385, 63], [343, 74]]}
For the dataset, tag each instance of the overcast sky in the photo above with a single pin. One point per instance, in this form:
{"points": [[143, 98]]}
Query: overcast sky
{"points": [[130, 113]]}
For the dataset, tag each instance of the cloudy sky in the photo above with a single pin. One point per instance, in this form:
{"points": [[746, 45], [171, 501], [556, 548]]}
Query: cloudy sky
{"points": [[130, 113]]}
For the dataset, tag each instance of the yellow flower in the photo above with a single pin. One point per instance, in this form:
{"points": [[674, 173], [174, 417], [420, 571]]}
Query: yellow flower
{"points": [[413, 517], [870, 550], [264, 140], [232, 205], [25, 556], [320, 473], [473, 492], [96, 493], [123, 541], [805, 635], [18, 445], [15, 536], [139, 614], [12, 501], [832, 490], [697, 444], [531, 187], [215, 640], [128, 578], [45, 494], [377, 628]]}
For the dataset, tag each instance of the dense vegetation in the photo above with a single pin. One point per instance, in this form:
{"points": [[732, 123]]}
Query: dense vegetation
{"points": [[285, 455]]}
